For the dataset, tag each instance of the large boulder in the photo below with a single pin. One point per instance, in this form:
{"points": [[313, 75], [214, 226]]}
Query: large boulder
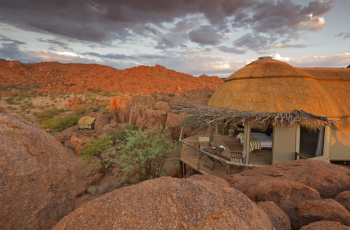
{"points": [[325, 225], [140, 104], [120, 106], [67, 134], [152, 118], [172, 123], [278, 218], [37, 188], [318, 210], [199, 202], [328, 179], [101, 121], [161, 105], [344, 199], [285, 194]]}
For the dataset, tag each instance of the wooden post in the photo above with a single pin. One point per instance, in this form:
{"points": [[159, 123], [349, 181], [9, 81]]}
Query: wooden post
{"points": [[246, 146], [199, 154], [216, 133], [297, 141], [211, 132], [185, 169], [227, 169], [327, 140], [181, 168]]}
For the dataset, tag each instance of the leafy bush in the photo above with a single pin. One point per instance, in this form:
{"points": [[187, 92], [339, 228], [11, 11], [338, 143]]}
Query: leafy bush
{"points": [[171, 95], [47, 113], [120, 134], [10, 101], [2, 110], [78, 109], [144, 153], [60, 123], [95, 148]]}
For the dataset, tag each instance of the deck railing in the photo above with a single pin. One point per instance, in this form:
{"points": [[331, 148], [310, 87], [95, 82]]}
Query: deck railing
{"points": [[228, 163]]}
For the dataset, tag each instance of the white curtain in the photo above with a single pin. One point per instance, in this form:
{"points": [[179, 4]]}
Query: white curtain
{"points": [[320, 140]]}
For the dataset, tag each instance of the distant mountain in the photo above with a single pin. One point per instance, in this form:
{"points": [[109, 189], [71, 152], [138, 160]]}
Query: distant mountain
{"points": [[93, 77]]}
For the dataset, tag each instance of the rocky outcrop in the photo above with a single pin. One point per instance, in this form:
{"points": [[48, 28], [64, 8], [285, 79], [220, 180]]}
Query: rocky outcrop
{"points": [[328, 179], [37, 188], [75, 101], [343, 198], [285, 194], [278, 218], [172, 124], [319, 210], [67, 134], [101, 121], [140, 104], [152, 118], [96, 78], [199, 202], [120, 107], [325, 225], [161, 105]]}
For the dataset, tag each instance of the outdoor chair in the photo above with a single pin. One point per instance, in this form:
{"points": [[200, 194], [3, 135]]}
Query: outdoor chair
{"points": [[236, 156]]}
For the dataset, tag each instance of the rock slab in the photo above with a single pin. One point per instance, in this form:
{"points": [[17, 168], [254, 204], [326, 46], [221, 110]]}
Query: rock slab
{"points": [[199, 202], [37, 188]]}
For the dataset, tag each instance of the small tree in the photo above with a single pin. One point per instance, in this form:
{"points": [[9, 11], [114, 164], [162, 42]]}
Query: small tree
{"points": [[120, 134], [144, 153], [95, 148]]}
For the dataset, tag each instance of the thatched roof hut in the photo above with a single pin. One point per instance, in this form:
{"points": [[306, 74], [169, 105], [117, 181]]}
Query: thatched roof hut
{"points": [[86, 123], [272, 86]]}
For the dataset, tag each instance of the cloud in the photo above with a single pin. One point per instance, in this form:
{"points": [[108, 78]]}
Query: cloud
{"points": [[206, 35], [12, 41], [337, 60], [109, 20], [232, 50], [344, 35], [55, 43]]}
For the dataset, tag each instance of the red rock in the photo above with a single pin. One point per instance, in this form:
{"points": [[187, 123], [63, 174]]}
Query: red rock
{"points": [[120, 106], [325, 225], [15, 92], [67, 134], [81, 192], [343, 198], [96, 178], [116, 170], [199, 202], [139, 106], [328, 179], [285, 194], [37, 186], [75, 101], [152, 118], [318, 210], [161, 105], [278, 218], [48, 130], [101, 121], [172, 123]]}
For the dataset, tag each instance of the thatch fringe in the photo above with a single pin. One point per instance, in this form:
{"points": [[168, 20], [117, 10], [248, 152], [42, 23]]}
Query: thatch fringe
{"points": [[206, 113]]}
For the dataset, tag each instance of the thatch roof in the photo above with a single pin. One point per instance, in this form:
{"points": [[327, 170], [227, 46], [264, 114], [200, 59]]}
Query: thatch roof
{"points": [[86, 120], [268, 85]]}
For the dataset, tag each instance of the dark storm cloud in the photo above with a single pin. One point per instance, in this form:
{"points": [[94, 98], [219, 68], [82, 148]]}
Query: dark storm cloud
{"points": [[206, 35], [125, 57], [232, 50], [107, 20], [344, 35], [4, 39]]}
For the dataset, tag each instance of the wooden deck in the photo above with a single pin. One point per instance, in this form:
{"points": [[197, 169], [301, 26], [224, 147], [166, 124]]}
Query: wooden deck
{"points": [[189, 156]]}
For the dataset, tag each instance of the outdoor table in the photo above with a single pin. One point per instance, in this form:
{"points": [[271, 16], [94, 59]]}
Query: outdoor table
{"points": [[210, 162]]}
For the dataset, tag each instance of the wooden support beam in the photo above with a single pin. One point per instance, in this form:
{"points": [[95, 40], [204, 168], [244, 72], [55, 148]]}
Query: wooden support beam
{"points": [[211, 132], [216, 133], [327, 142], [297, 142], [246, 146]]}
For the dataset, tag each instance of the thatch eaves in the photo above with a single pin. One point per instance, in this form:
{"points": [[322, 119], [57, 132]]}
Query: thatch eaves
{"points": [[272, 86]]}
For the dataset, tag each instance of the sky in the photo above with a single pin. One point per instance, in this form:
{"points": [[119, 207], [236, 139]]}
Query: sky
{"points": [[213, 37]]}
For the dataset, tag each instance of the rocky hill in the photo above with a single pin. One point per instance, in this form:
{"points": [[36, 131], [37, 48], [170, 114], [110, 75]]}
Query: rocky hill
{"points": [[94, 77]]}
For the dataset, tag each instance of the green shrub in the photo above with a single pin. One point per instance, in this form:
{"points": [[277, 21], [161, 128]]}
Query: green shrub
{"points": [[78, 109], [10, 101], [143, 154], [2, 110], [95, 148], [171, 95], [60, 123], [120, 134], [41, 107], [47, 113]]}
